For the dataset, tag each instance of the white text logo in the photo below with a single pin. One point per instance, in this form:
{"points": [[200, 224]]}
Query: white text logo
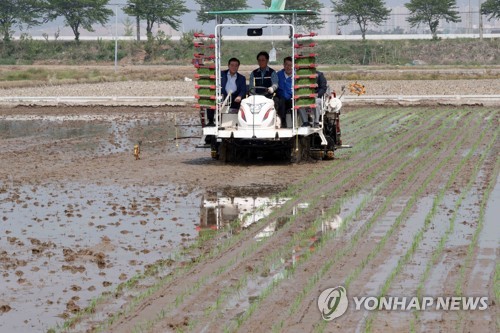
{"points": [[450, 303]]}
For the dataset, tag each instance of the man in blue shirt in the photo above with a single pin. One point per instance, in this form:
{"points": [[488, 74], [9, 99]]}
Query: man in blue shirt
{"points": [[233, 83], [284, 94]]}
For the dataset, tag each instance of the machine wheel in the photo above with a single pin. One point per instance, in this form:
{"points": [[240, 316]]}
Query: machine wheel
{"points": [[214, 145], [329, 155], [330, 149], [226, 151], [300, 149], [223, 151]]}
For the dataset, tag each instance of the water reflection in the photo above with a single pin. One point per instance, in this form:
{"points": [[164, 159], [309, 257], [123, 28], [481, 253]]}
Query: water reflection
{"points": [[331, 224], [218, 211]]}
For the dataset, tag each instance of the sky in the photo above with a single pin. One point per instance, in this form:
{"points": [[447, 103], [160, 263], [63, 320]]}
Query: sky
{"points": [[189, 21]]}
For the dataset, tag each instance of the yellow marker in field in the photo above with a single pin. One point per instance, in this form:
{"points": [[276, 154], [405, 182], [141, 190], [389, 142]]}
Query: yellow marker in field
{"points": [[357, 88], [137, 152]]}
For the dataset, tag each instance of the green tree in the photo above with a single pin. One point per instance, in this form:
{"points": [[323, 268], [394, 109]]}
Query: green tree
{"points": [[128, 27], [308, 22], [363, 12], [219, 5], [17, 13], [491, 8], [430, 12], [80, 13], [157, 11]]}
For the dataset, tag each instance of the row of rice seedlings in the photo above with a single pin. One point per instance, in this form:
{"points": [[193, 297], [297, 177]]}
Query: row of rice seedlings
{"points": [[355, 273], [365, 145], [437, 200], [451, 226], [428, 218], [275, 257], [315, 278], [406, 210], [306, 234], [342, 227], [369, 118], [470, 250], [475, 237], [226, 292], [307, 255], [370, 196]]}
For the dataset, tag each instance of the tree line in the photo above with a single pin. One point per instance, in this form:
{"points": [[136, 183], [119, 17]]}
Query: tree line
{"points": [[84, 14]]}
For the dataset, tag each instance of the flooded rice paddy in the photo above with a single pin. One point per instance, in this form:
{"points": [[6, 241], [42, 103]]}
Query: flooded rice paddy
{"points": [[84, 223], [64, 244]]}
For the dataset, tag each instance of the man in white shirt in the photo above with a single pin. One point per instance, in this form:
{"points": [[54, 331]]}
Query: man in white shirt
{"points": [[233, 83]]}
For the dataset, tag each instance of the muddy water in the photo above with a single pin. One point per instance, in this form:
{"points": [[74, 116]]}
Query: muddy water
{"points": [[97, 134], [62, 245]]}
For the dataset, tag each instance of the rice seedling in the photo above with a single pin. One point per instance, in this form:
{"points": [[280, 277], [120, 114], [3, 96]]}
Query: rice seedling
{"points": [[420, 234]]}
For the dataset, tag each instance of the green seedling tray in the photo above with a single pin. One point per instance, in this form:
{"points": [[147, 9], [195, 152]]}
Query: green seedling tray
{"points": [[305, 71], [304, 81], [305, 101], [304, 91], [305, 60], [206, 71], [206, 91], [206, 82], [205, 101]]}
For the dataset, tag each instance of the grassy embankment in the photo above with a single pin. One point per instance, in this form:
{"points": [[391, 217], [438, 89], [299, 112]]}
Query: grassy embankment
{"points": [[45, 62]]}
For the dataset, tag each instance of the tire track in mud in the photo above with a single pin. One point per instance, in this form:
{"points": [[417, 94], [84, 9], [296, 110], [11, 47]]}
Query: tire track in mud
{"points": [[334, 248], [313, 233], [200, 272]]}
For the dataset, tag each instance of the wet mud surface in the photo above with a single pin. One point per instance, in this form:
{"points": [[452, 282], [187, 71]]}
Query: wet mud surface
{"points": [[96, 239]]}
